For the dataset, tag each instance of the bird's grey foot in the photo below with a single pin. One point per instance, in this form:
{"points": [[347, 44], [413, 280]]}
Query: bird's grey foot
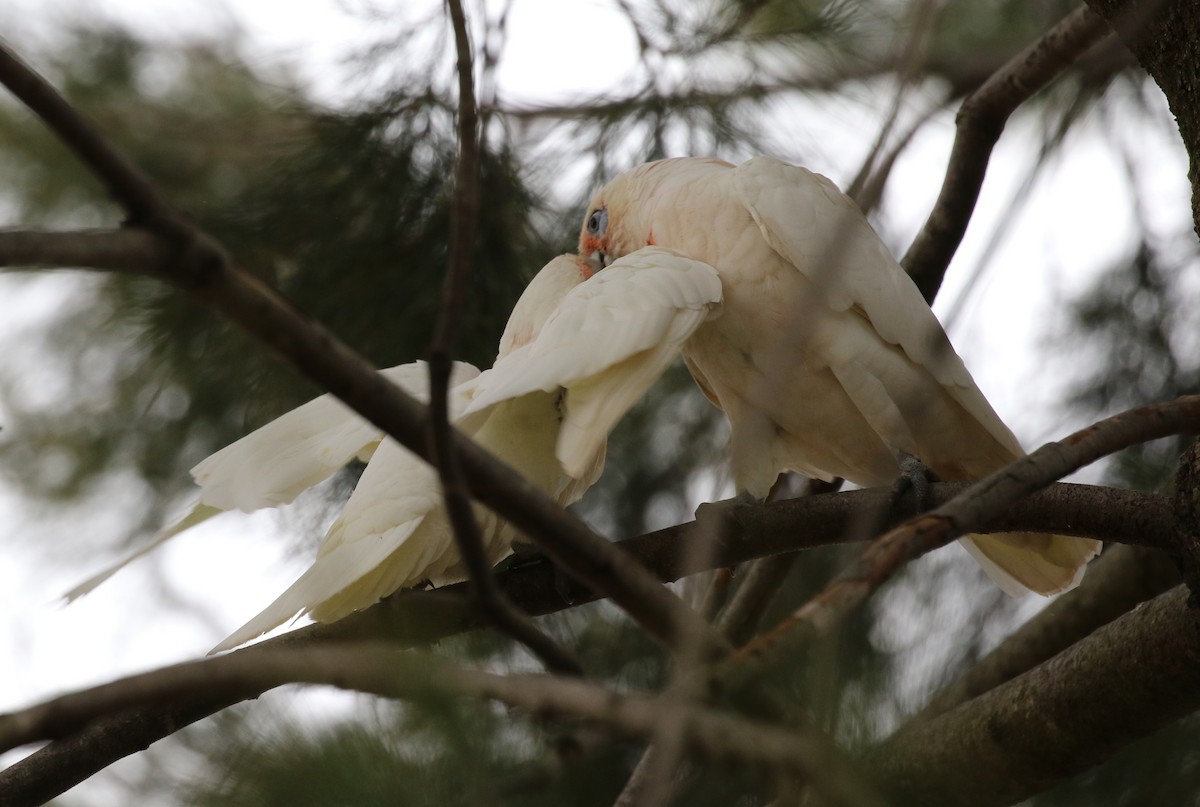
{"points": [[917, 477]]}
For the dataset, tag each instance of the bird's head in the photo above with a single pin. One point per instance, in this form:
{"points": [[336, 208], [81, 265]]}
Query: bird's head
{"points": [[622, 214], [620, 218]]}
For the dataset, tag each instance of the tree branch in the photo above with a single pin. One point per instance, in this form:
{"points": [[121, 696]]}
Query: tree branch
{"points": [[388, 672], [464, 216], [979, 123], [1163, 35], [1122, 682], [963, 514], [129, 250], [1116, 582]]}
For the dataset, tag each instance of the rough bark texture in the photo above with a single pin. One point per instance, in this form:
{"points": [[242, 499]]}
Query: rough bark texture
{"points": [[1164, 35], [1128, 679], [1120, 579]]}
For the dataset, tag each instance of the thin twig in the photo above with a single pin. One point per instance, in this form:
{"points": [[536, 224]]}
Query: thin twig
{"points": [[203, 268], [464, 217], [963, 514], [907, 62], [980, 121], [763, 578]]}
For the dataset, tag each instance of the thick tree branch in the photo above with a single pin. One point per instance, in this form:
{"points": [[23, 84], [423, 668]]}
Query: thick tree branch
{"points": [[203, 268], [125, 184], [1116, 582], [963, 514], [1164, 36], [979, 123], [383, 670], [1126, 680]]}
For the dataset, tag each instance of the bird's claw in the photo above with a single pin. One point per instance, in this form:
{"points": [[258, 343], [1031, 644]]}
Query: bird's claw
{"points": [[917, 477]]}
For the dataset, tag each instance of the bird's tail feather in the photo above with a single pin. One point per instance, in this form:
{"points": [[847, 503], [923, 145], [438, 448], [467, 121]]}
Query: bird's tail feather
{"points": [[1020, 562], [198, 513]]}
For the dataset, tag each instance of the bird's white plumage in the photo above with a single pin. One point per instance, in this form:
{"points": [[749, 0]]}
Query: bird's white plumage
{"points": [[578, 351], [825, 358], [391, 533], [273, 464], [606, 343]]}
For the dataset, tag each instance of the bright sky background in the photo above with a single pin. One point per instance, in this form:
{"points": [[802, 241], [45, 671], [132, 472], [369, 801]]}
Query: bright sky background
{"points": [[1079, 218]]}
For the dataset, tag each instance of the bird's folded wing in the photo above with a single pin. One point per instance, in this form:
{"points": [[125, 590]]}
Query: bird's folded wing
{"points": [[818, 229], [606, 343], [274, 464]]}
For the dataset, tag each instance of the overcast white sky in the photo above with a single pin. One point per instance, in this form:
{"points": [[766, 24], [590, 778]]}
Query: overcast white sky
{"points": [[1079, 217]]}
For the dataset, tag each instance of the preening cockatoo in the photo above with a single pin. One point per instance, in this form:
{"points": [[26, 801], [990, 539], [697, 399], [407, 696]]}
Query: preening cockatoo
{"points": [[577, 352], [826, 359]]}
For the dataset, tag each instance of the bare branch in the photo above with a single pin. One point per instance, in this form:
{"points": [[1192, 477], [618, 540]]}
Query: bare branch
{"points": [[1126, 680], [963, 514], [127, 250], [980, 121], [383, 670], [203, 268], [1118, 580], [123, 181]]}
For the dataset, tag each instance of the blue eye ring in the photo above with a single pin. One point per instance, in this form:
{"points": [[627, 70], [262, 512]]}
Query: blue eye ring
{"points": [[597, 223]]}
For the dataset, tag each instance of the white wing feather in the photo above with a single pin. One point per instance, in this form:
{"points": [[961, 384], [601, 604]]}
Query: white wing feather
{"points": [[814, 226], [391, 534], [276, 462], [606, 344]]}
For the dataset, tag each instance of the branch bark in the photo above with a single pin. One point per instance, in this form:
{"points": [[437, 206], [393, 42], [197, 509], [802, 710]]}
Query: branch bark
{"points": [[1164, 35], [963, 514], [1117, 581], [1126, 680]]}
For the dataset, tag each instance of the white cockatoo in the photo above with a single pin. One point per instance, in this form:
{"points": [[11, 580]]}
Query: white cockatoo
{"points": [[825, 359], [577, 352]]}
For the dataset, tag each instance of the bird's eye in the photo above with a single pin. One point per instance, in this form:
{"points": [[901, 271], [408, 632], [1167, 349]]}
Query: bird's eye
{"points": [[597, 222]]}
